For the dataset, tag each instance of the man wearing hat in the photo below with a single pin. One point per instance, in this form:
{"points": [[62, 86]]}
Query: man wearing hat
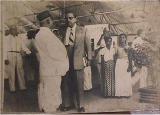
{"points": [[53, 60]]}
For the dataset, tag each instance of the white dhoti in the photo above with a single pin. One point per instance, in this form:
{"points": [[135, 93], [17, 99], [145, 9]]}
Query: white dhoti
{"points": [[49, 94]]}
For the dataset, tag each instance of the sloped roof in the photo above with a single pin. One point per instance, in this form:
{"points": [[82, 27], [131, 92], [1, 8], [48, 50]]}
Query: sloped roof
{"points": [[124, 16]]}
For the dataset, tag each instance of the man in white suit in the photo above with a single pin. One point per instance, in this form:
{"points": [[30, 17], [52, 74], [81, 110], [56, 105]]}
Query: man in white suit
{"points": [[54, 63], [13, 59]]}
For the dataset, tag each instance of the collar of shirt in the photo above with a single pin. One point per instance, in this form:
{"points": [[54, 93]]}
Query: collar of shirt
{"points": [[73, 28]]}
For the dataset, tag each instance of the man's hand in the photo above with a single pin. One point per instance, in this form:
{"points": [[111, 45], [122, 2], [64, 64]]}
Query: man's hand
{"points": [[28, 52], [6, 62], [23, 53]]}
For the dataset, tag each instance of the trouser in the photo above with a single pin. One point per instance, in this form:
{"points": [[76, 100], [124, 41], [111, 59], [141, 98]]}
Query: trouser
{"points": [[28, 69], [16, 66], [66, 82], [72, 89], [72, 85], [78, 88], [66, 93], [31, 69]]}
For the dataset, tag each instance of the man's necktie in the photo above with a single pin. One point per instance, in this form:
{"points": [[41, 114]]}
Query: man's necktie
{"points": [[71, 36]]}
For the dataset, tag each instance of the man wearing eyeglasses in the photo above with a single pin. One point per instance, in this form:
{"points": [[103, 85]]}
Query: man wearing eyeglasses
{"points": [[77, 46]]}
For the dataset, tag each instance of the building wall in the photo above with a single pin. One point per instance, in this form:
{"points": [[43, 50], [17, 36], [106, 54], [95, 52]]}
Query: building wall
{"points": [[1, 72], [1, 61]]}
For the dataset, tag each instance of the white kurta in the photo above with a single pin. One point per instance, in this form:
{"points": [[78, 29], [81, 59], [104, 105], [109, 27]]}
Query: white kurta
{"points": [[54, 63]]}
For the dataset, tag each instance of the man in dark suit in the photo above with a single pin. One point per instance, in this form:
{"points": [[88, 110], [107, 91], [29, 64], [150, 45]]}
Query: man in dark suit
{"points": [[77, 46]]}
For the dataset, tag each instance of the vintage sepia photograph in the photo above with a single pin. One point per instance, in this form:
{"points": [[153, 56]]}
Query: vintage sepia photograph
{"points": [[80, 56]]}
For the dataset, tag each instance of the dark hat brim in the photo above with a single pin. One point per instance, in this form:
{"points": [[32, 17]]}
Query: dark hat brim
{"points": [[43, 15]]}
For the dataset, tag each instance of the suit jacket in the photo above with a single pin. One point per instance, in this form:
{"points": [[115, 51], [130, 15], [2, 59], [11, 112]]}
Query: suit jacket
{"points": [[82, 47]]}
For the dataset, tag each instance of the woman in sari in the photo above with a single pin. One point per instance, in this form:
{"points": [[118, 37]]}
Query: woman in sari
{"points": [[123, 83]]}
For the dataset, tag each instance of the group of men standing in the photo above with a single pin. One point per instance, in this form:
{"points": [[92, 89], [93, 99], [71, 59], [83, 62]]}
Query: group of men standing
{"points": [[14, 50], [61, 65]]}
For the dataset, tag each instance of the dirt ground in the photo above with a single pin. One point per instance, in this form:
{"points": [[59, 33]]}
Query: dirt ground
{"points": [[24, 102]]}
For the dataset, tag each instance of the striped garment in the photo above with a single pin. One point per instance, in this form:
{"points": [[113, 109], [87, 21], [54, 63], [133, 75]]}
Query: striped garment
{"points": [[108, 78]]}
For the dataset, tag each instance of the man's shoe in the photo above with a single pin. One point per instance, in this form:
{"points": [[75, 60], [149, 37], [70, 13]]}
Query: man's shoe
{"points": [[66, 108], [42, 110], [62, 108], [13, 92], [81, 109]]}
